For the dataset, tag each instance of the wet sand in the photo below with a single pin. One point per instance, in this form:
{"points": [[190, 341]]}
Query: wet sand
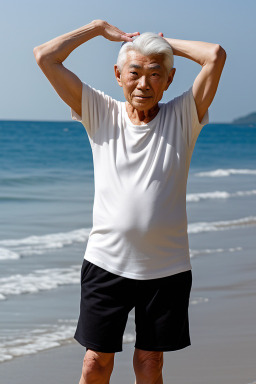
{"points": [[223, 335]]}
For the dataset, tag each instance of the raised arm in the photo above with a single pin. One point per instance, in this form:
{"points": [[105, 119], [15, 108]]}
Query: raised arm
{"points": [[50, 57], [212, 58]]}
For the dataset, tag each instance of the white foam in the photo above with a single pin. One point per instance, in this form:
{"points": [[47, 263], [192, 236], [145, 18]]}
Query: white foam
{"points": [[226, 172], [194, 252], [220, 225], [35, 341], [7, 254], [199, 300], [40, 280], [244, 193], [23, 343], [14, 248], [129, 338], [48, 279], [66, 321], [196, 197], [47, 337]]}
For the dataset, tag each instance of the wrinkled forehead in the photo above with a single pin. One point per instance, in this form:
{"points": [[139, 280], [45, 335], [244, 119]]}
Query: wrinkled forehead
{"points": [[135, 59]]}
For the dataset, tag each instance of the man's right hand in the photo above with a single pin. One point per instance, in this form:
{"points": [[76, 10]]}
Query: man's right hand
{"points": [[113, 33]]}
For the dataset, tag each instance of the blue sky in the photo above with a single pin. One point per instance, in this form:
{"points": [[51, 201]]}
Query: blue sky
{"points": [[26, 94]]}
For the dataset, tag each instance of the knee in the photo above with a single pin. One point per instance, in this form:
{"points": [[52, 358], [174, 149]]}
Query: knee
{"points": [[147, 366], [97, 366]]}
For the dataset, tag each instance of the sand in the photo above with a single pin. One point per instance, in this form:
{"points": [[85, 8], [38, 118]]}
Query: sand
{"points": [[223, 335]]}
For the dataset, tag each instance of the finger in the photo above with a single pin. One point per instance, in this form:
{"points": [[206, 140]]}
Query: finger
{"points": [[129, 36], [126, 38], [133, 34]]}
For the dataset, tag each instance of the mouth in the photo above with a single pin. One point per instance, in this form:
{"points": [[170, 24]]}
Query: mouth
{"points": [[142, 97]]}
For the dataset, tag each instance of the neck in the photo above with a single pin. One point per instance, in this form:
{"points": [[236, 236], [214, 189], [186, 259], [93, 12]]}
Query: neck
{"points": [[139, 117]]}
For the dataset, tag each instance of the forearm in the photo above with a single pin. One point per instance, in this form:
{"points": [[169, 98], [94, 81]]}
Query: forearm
{"points": [[59, 48], [198, 51]]}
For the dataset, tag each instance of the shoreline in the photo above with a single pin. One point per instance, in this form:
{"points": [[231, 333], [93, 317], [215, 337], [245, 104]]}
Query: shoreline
{"points": [[216, 355], [223, 336]]}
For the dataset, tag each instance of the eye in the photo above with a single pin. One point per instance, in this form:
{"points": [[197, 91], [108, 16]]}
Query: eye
{"points": [[134, 73], [155, 74]]}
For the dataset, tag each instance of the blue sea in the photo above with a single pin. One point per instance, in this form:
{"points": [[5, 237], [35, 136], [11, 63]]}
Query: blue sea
{"points": [[46, 202]]}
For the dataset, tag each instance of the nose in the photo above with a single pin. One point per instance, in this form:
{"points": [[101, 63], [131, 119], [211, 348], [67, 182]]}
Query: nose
{"points": [[143, 83]]}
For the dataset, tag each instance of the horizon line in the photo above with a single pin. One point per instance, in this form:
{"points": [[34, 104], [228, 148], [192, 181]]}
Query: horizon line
{"points": [[73, 121]]}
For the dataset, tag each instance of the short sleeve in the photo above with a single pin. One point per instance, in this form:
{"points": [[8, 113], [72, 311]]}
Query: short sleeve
{"points": [[95, 106], [185, 108]]}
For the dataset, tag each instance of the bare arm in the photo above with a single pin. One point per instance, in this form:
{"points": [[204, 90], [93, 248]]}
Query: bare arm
{"points": [[50, 57], [212, 58]]}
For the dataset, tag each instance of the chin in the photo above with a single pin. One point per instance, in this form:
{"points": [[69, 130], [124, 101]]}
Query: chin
{"points": [[141, 106]]}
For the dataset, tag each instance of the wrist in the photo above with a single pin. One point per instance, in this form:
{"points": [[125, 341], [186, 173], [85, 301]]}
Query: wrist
{"points": [[98, 26]]}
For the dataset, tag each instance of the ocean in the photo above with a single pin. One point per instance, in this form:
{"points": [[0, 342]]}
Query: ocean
{"points": [[46, 202]]}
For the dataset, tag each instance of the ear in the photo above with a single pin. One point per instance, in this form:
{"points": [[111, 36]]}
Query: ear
{"points": [[118, 75], [170, 78]]}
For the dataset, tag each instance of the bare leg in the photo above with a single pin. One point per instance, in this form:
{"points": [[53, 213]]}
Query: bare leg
{"points": [[97, 367], [148, 367]]}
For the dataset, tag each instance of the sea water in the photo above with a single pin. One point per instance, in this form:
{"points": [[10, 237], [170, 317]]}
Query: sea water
{"points": [[46, 202]]}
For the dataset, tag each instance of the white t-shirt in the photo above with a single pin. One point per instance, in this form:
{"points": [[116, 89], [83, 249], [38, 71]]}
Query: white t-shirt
{"points": [[140, 173]]}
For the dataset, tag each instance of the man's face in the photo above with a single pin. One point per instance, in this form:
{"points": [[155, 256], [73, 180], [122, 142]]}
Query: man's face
{"points": [[144, 79]]}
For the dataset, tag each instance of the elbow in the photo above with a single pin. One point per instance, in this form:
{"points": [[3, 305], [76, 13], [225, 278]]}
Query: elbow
{"points": [[38, 55], [41, 58], [219, 54]]}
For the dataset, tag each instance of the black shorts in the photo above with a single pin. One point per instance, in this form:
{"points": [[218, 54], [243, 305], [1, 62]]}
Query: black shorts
{"points": [[161, 310]]}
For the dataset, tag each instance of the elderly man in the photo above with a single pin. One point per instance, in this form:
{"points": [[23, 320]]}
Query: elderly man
{"points": [[137, 254]]}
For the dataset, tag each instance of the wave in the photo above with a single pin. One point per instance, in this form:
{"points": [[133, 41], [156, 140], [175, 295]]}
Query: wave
{"points": [[195, 253], [21, 199], [196, 197], [226, 172], [43, 338], [44, 176], [36, 341], [15, 248], [199, 300], [221, 225], [47, 337], [31, 179], [191, 197], [39, 280], [6, 254], [48, 279]]}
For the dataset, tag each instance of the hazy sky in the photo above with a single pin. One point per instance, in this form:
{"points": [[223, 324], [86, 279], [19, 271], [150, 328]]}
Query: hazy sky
{"points": [[26, 94]]}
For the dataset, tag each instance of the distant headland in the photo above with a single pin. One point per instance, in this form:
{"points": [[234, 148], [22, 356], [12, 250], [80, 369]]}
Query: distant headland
{"points": [[248, 119]]}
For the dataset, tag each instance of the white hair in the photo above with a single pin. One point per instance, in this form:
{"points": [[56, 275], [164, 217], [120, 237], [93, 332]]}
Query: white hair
{"points": [[147, 44]]}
